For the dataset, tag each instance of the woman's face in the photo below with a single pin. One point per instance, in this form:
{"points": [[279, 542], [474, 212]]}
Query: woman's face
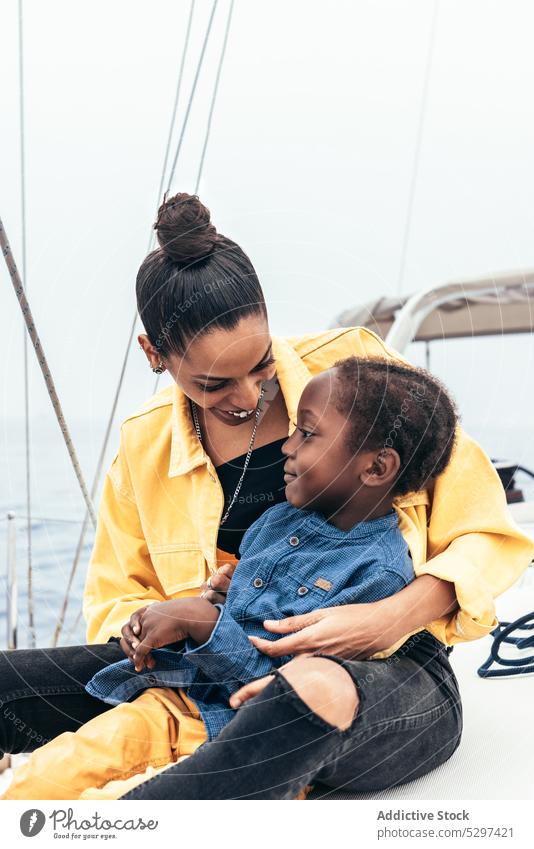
{"points": [[222, 371]]}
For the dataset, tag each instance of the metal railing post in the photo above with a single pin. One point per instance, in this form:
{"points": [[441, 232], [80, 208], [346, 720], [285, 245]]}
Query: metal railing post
{"points": [[12, 590]]}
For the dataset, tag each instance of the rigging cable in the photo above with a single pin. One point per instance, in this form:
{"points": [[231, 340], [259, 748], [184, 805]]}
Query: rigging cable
{"points": [[192, 94], [417, 151], [41, 358], [173, 118], [214, 95], [208, 125], [31, 618]]}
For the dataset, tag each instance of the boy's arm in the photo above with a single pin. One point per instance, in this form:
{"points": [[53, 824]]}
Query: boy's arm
{"points": [[170, 622], [228, 657]]}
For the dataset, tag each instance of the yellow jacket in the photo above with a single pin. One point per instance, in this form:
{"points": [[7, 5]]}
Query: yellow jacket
{"points": [[161, 505]]}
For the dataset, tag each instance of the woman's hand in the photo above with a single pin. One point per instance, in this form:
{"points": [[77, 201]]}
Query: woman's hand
{"points": [[220, 582], [356, 631], [353, 631]]}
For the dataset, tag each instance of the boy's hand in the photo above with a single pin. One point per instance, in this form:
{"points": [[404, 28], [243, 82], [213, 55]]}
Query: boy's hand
{"points": [[168, 622], [219, 584], [130, 631]]}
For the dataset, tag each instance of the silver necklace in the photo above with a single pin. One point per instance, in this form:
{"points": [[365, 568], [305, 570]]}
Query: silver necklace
{"points": [[250, 447]]}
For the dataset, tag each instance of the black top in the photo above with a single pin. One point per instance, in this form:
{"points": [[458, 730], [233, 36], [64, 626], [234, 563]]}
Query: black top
{"points": [[262, 487]]}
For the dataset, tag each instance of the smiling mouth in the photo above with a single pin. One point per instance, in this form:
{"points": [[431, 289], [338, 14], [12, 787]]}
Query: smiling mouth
{"points": [[238, 414]]}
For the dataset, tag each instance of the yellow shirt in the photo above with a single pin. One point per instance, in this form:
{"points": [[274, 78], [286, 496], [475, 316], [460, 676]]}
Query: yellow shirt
{"points": [[161, 505]]}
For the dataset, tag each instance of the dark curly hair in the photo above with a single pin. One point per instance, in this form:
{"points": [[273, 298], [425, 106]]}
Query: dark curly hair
{"points": [[402, 407], [196, 281]]}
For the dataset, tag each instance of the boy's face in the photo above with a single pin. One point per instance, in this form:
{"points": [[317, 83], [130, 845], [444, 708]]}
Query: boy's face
{"points": [[321, 473]]}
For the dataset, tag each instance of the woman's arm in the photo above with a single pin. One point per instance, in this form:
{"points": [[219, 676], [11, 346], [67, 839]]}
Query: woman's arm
{"points": [[472, 543], [482, 553], [121, 577], [358, 631], [472, 540], [424, 600]]}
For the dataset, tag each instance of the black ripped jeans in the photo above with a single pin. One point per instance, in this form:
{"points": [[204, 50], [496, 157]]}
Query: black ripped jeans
{"points": [[409, 720], [42, 692]]}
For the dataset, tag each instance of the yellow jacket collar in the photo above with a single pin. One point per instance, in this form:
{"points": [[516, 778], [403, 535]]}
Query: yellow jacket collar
{"points": [[186, 451]]}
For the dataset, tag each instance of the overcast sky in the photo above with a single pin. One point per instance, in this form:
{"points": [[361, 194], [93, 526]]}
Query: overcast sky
{"points": [[309, 168]]}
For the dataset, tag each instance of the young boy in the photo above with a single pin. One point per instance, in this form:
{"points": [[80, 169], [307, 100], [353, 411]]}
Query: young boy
{"points": [[366, 431]]}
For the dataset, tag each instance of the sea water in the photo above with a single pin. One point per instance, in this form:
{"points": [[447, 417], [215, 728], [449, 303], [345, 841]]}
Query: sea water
{"points": [[57, 512]]}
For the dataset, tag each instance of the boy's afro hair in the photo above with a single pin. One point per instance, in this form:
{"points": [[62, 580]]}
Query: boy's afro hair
{"points": [[402, 407]]}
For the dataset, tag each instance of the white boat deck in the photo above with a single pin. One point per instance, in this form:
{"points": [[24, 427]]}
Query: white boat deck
{"points": [[494, 758]]}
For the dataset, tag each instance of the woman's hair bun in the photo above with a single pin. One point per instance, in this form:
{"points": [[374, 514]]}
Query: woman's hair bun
{"points": [[185, 232]]}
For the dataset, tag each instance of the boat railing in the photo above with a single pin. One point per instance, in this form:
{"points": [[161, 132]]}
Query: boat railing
{"points": [[11, 583], [12, 595]]}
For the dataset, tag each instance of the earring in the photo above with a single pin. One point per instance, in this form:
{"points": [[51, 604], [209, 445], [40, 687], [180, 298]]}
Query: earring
{"points": [[160, 368]]}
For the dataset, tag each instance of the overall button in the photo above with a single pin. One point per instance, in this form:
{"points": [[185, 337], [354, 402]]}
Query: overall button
{"points": [[258, 583], [151, 679], [294, 540], [302, 590]]}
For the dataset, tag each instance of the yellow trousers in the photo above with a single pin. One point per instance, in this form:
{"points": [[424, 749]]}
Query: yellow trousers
{"points": [[113, 752]]}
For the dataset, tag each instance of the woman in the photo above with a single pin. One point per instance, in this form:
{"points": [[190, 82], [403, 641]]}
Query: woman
{"points": [[196, 466]]}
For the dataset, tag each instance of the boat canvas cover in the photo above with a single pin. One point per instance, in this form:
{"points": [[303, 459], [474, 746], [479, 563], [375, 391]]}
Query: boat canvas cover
{"points": [[508, 310]]}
